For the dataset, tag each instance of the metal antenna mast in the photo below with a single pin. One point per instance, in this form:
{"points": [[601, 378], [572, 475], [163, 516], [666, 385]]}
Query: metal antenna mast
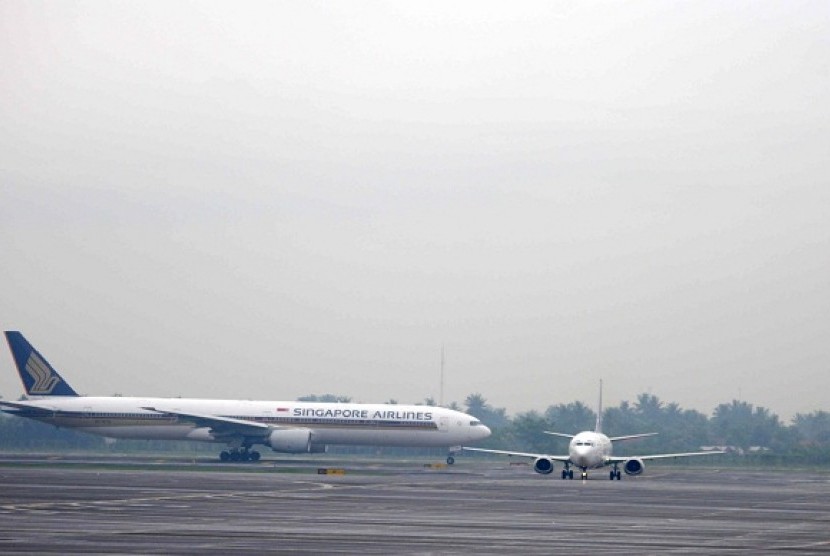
{"points": [[441, 390]]}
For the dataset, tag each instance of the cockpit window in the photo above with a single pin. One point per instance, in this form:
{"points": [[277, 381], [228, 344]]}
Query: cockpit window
{"points": [[475, 423]]}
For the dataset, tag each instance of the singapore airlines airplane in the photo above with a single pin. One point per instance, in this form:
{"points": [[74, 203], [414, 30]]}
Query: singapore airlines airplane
{"points": [[592, 450], [292, 427]]}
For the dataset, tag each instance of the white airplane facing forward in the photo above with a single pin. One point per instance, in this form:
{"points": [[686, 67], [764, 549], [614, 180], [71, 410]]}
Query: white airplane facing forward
{"points": [[592, 450], [283, 426]]}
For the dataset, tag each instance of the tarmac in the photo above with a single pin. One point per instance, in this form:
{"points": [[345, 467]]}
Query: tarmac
{"points": [[141, 506]]}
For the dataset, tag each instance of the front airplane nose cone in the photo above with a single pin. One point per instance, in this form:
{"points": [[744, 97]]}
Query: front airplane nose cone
{"points": [[484, 431], [580, 456]]}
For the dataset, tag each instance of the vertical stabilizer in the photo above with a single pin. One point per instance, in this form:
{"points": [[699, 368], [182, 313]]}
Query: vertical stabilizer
{"points": [[598, 427], [38, 376]]}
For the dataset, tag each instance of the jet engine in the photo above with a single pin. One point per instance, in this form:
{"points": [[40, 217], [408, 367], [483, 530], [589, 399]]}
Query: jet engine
{"points": [[292, 441], [633, 467], [543, 466]]}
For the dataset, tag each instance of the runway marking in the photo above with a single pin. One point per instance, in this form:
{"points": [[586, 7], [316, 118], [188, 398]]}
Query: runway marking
{"points": [[150, 501], [407, 514]]}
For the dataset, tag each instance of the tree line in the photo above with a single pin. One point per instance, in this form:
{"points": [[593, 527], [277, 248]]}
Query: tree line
{"points": [[738, 426], [741, 427]]}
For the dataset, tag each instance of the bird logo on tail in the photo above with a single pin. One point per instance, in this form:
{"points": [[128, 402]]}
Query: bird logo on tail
{"points": [[44, 380]]}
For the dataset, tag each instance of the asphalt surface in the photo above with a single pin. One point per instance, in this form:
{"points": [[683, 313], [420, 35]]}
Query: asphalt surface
{"points": [[172, 507]]}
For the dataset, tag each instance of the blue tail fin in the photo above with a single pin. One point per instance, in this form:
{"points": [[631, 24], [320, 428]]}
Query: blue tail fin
{"points": [[38, 376]]}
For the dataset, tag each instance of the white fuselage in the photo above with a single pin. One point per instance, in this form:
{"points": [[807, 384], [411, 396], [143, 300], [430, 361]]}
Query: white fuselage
{"points": [[330, 423], [590, 450]]}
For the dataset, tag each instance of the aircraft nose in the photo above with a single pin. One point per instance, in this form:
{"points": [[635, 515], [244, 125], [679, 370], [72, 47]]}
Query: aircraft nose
{"points": [[580, 454], [485, 431]]}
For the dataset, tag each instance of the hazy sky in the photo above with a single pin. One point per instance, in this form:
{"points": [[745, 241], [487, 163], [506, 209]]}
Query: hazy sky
{"points": [[266, 200]]}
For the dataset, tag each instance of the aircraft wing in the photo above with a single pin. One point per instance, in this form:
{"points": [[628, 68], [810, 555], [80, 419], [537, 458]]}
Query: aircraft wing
{"points": [[520, 454], [219, 424], [621, 459], [613, 438]]}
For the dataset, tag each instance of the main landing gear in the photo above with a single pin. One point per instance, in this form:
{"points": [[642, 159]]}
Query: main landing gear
{"points": [[614, 474], [239, 455]]}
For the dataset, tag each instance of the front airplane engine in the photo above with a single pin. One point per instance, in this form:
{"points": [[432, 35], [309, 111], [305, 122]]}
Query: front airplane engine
{"points": [[543, 466], [292, 441], [633, 467]]}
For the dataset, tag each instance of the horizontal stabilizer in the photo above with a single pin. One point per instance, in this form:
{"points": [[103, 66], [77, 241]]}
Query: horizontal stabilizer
{"points": [[632, 436], [562, 434], [29, 409]]}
